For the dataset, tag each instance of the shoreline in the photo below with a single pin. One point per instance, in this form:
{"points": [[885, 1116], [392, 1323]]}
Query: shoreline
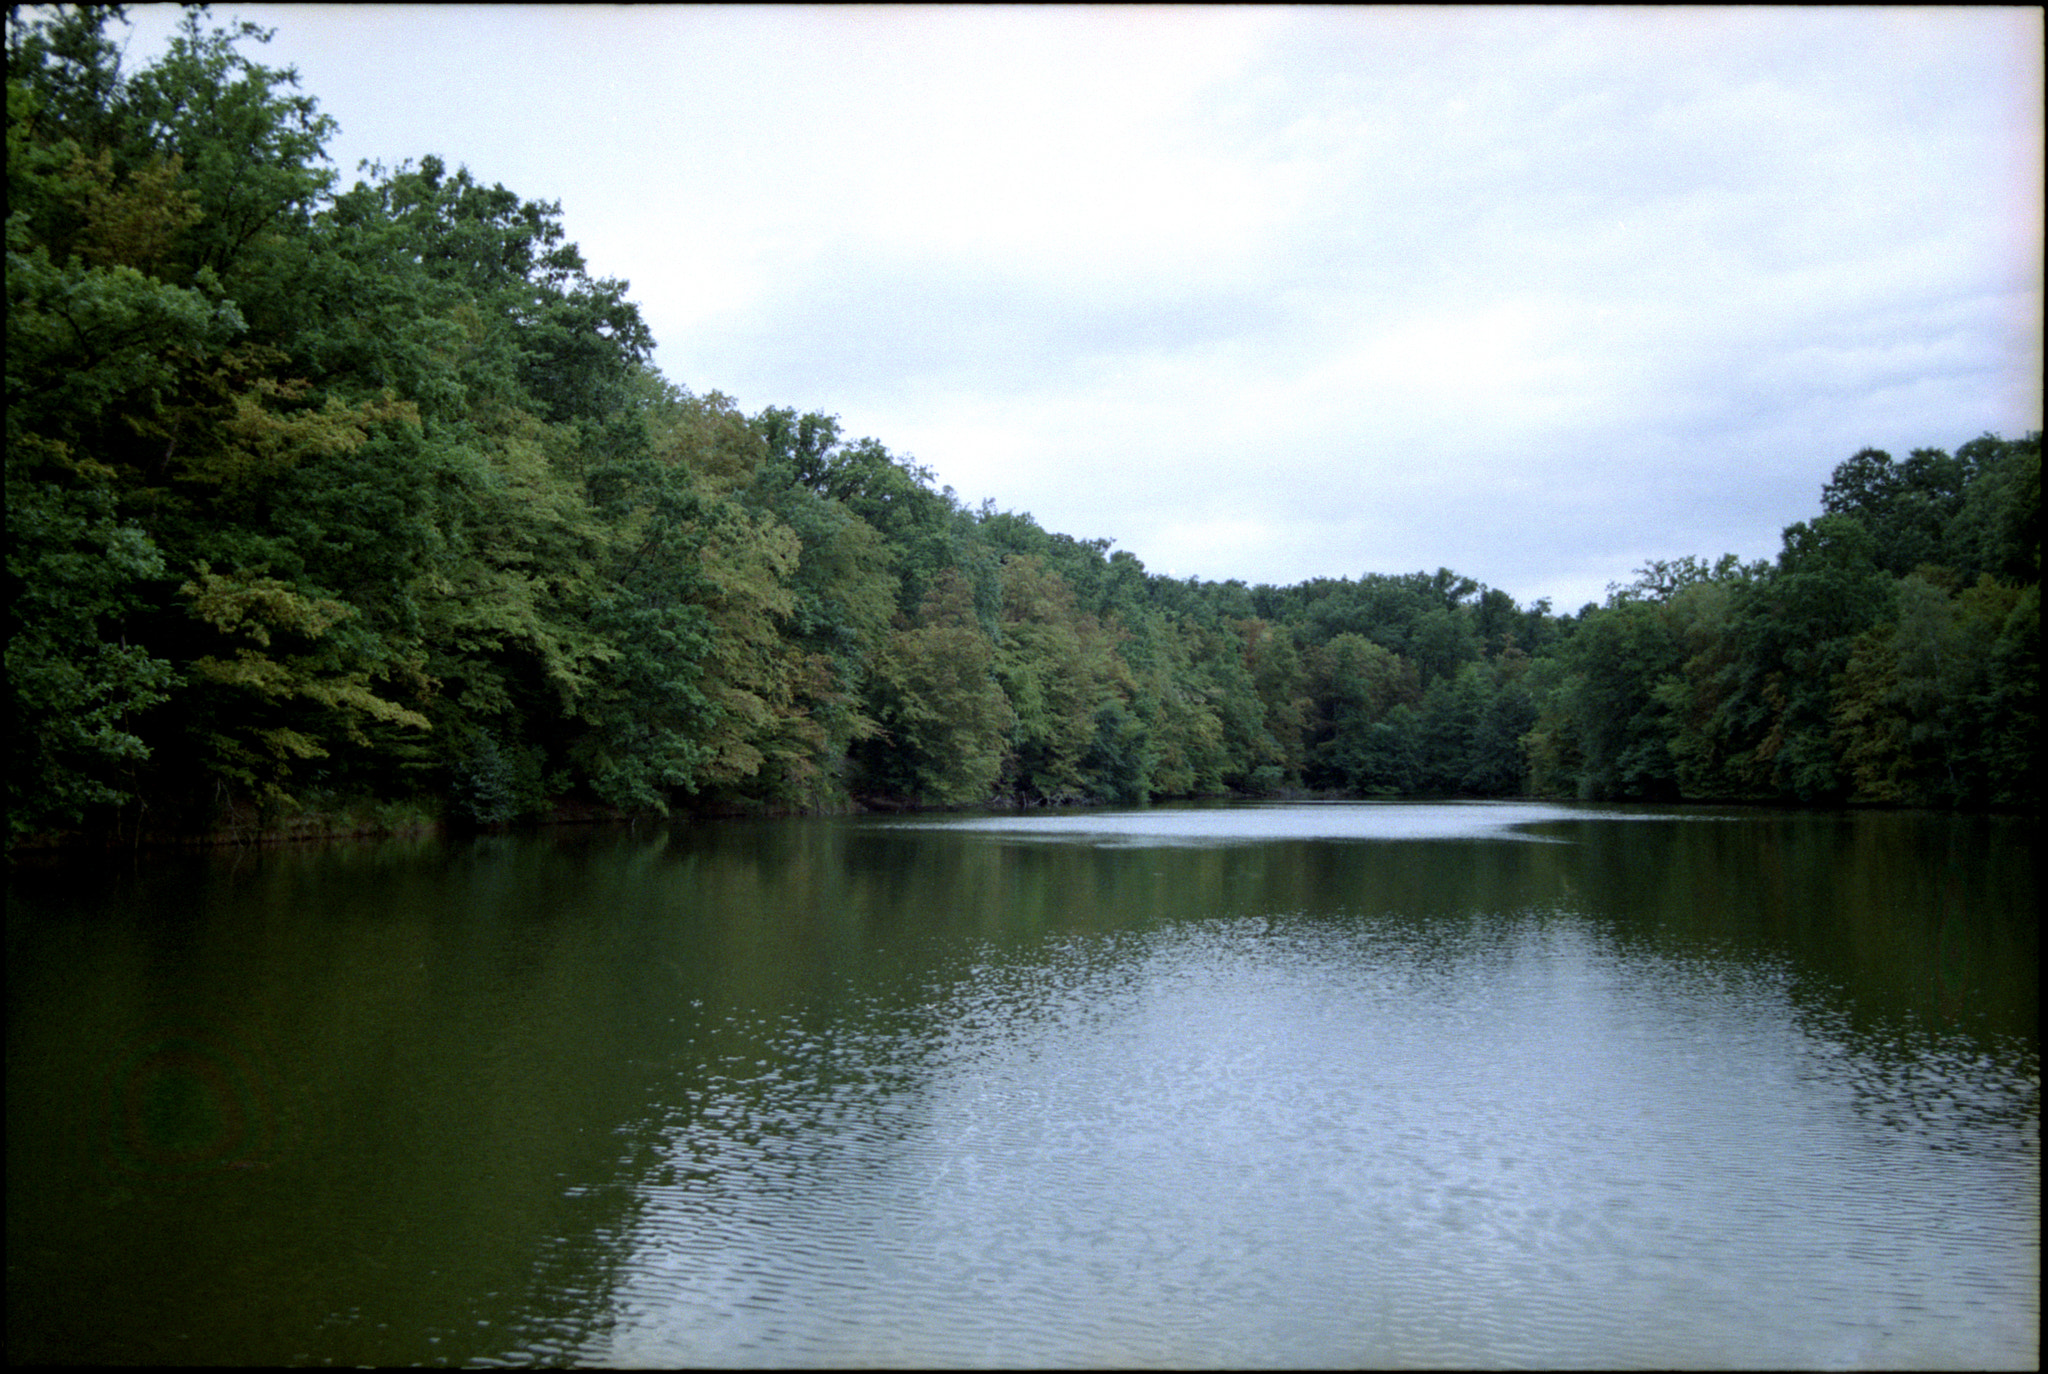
{"points": [[246, 828]]}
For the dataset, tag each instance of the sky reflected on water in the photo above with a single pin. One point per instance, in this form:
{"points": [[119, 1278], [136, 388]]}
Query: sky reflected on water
{"points": [[1261, 822], [1196, 1085], [1276, 1141]]}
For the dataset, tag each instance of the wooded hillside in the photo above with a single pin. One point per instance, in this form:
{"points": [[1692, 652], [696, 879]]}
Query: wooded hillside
{"points": [[323, 498]]}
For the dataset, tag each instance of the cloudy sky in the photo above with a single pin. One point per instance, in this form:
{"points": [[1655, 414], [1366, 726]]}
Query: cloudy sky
{"points": [[1269, 293]]}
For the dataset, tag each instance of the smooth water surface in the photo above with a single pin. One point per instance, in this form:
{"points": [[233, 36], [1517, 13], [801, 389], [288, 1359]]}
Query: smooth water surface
{"points": [[1278, 1085]]}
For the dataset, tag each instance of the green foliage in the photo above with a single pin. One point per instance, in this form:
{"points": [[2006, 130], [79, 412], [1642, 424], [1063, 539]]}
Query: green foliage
{"points": [[493, 783], [1494, 762], [75, 684], [892, 496], [1940, 706], [1067, 689], [1274, 664], [249, 145], [1998, 529], [1185, 728], [1799, 627], [1120, 760], [1627, 705], [945, 719], [430, 280], [1389, 759], [1607, 702], [63, 58], [1905, 507], [369, 493], [1858, 667], [296, 684], [1355, 683], [1702, 614]]}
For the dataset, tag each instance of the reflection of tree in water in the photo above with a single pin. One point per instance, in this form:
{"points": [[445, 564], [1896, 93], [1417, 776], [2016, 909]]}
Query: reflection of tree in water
{"points": [[1953, 982], [193, 1098], [1939, 1087]]}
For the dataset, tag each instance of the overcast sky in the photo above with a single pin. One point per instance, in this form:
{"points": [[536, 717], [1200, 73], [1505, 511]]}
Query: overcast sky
{"points": [[1269, 293]]}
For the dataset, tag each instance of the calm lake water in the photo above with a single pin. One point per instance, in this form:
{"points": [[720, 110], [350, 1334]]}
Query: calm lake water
{"points": [[1255, 1085]]}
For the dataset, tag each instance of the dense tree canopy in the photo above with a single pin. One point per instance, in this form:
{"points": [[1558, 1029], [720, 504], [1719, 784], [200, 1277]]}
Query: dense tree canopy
{"points": [[319, 495]]}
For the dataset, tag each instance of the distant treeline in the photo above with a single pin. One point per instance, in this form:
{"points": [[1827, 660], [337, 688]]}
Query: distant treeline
{"points": [[319, 498]]}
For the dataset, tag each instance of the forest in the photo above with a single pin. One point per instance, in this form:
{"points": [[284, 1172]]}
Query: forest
{"points": [[365, 505]]}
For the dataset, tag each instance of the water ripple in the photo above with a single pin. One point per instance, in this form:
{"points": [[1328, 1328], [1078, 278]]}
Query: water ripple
{"points": [[1280, 1142]]}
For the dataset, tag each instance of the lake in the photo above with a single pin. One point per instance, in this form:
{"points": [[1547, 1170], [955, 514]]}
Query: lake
{"points": [[1249, 1085]]}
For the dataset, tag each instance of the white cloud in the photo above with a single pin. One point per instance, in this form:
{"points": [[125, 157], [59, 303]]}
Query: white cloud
{"points": [[1274, 293]]}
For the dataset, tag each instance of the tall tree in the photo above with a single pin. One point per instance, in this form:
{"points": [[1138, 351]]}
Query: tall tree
{"points": [[945, 718]]}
